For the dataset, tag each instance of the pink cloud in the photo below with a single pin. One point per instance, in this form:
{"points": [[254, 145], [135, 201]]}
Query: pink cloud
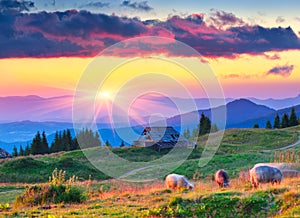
{"points": [[82, 33]]}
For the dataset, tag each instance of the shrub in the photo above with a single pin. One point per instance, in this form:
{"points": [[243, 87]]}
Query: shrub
{"points": [[58, 190]]}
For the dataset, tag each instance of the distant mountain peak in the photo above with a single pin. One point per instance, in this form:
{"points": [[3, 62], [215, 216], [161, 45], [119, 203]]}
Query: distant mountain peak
{"points": [[247, 104], [241, 101]]}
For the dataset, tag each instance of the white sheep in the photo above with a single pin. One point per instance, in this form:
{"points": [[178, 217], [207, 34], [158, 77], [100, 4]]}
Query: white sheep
{"points": [[265, 174], [175, 181]]}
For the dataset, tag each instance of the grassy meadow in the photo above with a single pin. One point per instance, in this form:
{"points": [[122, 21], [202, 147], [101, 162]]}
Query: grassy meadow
{"points": [[106, 197]]}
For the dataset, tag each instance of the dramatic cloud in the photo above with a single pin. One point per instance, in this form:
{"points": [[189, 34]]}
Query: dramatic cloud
{"points": [[223, 19], [284, 71], [280, 19], [95, 5], [7, 5], [141, 6], [82, 33]]}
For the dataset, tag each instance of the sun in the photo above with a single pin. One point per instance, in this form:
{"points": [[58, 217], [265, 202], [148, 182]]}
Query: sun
{"points": [[104, 94]]}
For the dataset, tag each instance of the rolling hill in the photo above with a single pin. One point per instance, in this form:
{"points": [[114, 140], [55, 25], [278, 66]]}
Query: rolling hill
{"points": [[237, 111], [261, 120]]}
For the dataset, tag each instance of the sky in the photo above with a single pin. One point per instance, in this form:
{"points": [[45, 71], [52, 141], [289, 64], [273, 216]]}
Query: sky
{"points": [[252, 47]]}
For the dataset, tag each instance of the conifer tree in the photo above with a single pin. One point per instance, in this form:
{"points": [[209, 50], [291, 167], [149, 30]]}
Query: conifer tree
{"points": [[268, 125], [36, 145], [97, 139], [21, 152], [205, 125], [69, 140], [64, 146], [293, 118], [285, 121], [15, 151], [54, 145], [276, 122], [45, 146], [75, 145], [107, 144], [27, 150], [255, 126], [87, 139]]}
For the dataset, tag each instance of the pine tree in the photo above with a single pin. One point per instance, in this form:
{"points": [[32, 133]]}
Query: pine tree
{"points": [[276, 122], [45, 147], [285, 121], [293, 118], [97, 139], [75, 144], [256, 126], [64, 144], [15, 152], [36, 145], [69, 140], [268, 125], [107, 144], [27, 150], [205, 125], [54, 145], [21, 152], [87, 139]]}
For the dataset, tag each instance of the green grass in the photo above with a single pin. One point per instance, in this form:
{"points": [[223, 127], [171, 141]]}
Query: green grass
{"points": [[240, 149], [38, 169], [9, 193], [253, 140], [120, 199]]}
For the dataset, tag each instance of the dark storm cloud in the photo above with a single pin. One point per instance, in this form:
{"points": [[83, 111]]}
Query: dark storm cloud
{"points": [[26, 46], [82, 33], [141, 6]]}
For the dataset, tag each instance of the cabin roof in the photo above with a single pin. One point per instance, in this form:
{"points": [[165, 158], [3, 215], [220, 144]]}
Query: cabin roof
{"points": [[4, 154], [161, 134]]}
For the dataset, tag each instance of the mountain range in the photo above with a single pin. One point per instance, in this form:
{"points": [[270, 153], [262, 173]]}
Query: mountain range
{"points": [[22, 117]]}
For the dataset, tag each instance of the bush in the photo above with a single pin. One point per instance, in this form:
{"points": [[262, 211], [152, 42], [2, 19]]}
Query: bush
{"points": [[58, 190], [225, 204]]}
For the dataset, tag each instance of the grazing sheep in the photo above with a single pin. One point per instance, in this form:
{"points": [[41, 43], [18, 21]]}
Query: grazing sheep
{"points": [[174, 181], [222, 178], [265, 174]]}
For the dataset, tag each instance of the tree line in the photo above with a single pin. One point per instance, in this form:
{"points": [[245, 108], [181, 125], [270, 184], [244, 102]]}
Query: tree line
{"points": [[205, 126], [285, 121], [63, 141]]}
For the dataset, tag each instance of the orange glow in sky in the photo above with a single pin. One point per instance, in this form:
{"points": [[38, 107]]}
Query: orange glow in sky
{"points": [[244, 76]]}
